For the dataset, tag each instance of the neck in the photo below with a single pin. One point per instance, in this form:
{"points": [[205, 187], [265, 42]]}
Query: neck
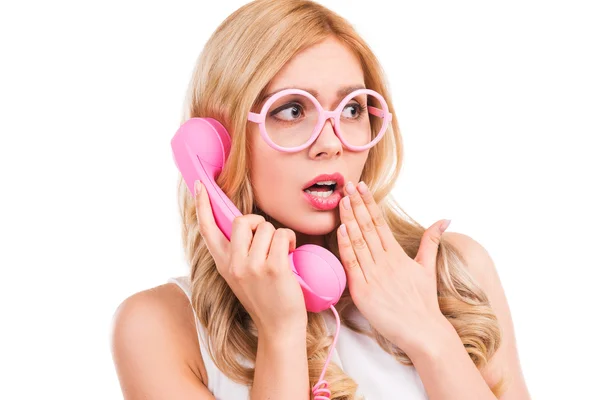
{"points": [[302, 239]]}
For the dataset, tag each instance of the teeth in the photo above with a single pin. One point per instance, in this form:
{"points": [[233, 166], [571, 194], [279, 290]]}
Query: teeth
{"points": [[323, 183], [320, 194]]}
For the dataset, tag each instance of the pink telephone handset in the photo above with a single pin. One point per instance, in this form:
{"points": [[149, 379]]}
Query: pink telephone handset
{"points": [[200, 148]]}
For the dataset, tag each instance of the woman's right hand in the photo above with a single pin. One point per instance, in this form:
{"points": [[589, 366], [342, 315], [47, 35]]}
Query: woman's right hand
{"points": [[255, 265]]}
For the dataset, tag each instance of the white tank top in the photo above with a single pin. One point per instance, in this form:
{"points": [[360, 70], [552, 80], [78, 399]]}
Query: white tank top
{"points": [[377, 373]]}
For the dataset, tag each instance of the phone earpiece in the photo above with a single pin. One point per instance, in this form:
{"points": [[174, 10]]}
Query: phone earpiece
{"points": [[200, 148]]}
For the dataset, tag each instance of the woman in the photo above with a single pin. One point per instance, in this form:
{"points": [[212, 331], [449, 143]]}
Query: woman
{"points": [[423, 314]]}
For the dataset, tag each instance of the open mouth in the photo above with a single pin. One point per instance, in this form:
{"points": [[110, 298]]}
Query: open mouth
{"points": [[322, 190]]}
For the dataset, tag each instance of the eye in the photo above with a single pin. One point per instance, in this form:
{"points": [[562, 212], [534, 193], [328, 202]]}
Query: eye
{"points": [[288, 112], [356, 111]]}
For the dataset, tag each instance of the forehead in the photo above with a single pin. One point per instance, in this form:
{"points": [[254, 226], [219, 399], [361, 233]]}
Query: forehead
{"points": [[325, 68]]}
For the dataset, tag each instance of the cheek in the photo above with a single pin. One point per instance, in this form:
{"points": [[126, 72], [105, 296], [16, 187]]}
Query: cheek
{"points": [[269, 178], [260, 155], [356, 165]]}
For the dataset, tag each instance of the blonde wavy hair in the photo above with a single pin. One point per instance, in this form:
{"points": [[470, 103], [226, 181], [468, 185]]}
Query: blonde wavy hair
{"points": [[238, 61]]}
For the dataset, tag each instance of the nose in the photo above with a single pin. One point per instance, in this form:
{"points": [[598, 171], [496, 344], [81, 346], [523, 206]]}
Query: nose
{"points": [[327, 145]]}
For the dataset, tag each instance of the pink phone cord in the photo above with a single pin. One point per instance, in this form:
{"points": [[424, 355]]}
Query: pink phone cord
{"points": [[322, 393]]}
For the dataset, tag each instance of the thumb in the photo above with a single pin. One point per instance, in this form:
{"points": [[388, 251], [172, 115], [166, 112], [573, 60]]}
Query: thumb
{"points": [[430, 242]]}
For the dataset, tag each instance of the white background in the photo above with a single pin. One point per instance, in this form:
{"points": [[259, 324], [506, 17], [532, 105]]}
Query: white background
{"points": [[498, 103]]}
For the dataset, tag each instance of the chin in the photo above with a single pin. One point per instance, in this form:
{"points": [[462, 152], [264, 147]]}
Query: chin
{"points": [[316, 222]]}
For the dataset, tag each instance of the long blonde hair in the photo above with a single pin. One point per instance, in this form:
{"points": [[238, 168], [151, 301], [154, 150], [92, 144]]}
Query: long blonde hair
{"points": [[240, 58]]}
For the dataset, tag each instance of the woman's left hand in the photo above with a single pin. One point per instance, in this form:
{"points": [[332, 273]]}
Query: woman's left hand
{"points": [[396, 294]]}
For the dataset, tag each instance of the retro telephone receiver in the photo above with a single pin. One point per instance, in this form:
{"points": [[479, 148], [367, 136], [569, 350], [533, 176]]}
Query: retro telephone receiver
{"points": [[200, 148]]}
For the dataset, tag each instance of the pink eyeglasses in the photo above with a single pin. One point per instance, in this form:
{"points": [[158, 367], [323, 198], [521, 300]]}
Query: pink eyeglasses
{"points": [[293, 131]]}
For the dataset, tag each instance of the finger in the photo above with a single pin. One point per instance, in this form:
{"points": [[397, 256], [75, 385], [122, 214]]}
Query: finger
{"points": [[216, 241], [359, 245], [365, 222], [261, 242], [242, 231], [284, 242], [388, 241], [354, 272], [428, 249]]}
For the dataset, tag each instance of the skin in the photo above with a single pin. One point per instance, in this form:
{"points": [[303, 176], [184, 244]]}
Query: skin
{"points": [[154, 341], [331, 66]]}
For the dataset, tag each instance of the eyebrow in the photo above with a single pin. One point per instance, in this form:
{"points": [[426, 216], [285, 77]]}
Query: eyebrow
{"points": [[343, 91]]}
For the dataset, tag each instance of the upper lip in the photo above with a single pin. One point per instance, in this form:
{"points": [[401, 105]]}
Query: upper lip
{"points": [[336, 176]]}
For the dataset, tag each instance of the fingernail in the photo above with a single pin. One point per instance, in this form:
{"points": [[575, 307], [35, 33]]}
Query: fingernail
{"points": [[343, 230], [350, 188], [197, 187], [445, 225], [362, 187], [346, 202]]}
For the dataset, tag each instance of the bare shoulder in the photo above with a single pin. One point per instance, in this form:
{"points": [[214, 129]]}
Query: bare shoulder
{"points": [[155, 347], [506, 360]]}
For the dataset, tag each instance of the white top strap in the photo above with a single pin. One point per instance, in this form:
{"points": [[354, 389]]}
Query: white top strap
{"points": [[211, 369]]}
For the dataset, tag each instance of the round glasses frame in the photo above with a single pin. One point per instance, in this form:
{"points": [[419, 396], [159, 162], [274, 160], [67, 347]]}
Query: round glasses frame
{"points": [[324, 115]]}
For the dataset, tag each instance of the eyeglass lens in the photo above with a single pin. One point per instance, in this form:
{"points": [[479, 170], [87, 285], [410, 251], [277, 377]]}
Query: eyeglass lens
{"points": [[291, 120]]}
